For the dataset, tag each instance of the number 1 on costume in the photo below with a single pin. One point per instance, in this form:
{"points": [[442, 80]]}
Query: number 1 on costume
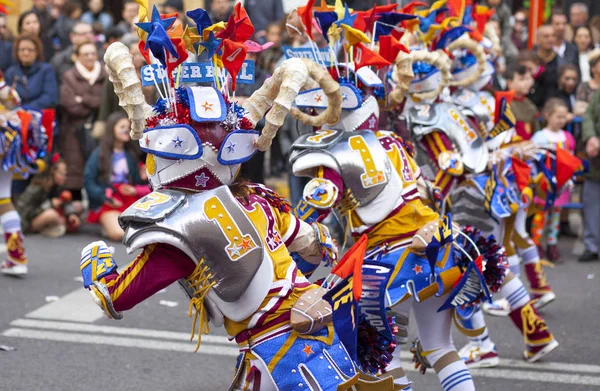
{"points": [[238, 244], [371, 176]]}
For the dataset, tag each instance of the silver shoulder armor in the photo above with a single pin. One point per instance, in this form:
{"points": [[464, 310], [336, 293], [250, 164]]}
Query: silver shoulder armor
{"points": [[481, 104], [449, 119], [357, 156], [212, 226]]}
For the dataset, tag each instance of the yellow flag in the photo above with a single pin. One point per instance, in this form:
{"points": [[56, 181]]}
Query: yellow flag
{"points": [[142, 17], [215, 28], [354, 36]]}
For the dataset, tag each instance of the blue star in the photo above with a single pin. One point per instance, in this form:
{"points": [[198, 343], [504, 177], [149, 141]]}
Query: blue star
{"points": [[201, 18], [348, 18], [231, 147], [211, 45], [178, 142], [344, 97], [156, 20], [201, 180]]}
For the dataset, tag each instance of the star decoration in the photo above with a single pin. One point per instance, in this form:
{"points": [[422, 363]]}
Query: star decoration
{"points": [[372, 122], [347, 19], [178, 142], [323, 7], [147, 140], [368, 181], [211, 45], [380, 177], [271, 242], [418, 269], [200, 17], [149, 27], [234, 250], [247, 244], [207, 106], [307, 350], [190, 37], [201, 180], [370, 20], [318, 98], [339, 8], [231, 147], [215, 28], [344, 97]]}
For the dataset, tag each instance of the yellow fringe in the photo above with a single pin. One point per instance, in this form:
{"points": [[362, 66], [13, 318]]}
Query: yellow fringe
{"points": [[200, 281]]}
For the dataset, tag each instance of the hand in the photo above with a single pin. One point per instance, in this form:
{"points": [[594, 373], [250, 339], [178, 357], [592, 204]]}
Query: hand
{"points": [[74, 221], [56, 202], [78, 99], [127, 190], [328, 246], [591, 147], [113, 202]]}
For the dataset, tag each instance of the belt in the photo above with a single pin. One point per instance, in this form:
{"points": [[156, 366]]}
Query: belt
{"points": [[252, 336]]}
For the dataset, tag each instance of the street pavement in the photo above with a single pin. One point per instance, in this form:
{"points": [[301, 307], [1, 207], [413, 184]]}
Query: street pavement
{"points": [[62, 342]]}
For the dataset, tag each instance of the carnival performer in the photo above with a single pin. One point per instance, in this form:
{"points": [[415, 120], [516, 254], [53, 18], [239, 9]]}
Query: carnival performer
{"points": [[370, 179], [458, 152], [26, 138], [472, 71], [225, 240]]}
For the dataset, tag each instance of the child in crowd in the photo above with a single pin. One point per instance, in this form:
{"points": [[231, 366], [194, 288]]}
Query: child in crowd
{"points": [[541, 83], [546, 226], [112, 177], [519, 80], [46, 207]]}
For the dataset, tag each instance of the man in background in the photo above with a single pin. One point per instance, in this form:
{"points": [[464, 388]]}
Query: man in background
{"points": [[566, 51]]}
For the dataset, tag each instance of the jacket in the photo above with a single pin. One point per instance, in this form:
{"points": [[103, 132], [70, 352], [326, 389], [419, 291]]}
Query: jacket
{"points": [[7, 60], [74, 115], [36, 85], [95, 187], [591, 128]]}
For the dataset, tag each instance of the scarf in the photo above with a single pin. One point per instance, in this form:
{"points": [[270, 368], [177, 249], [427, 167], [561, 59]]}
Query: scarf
{"points": [[91, 76]]}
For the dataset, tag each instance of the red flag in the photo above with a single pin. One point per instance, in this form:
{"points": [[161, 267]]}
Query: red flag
{"points": [[410, 7], [364, 56], [25, 118], [244, 28], [566, 165], [522, 173], [498, 95], [389, 47], [234, 54], [145, 52], [306, 16], [172, 62], [351, 264]]}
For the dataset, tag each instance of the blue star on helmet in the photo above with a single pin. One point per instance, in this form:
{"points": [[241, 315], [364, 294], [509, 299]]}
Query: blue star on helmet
{"points": [[348, 18], [211, 45], [231, 147], [178, 142], [149, 27]]}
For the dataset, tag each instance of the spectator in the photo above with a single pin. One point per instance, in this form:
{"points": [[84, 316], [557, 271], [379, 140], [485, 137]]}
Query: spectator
{"points": [[519, 31], [6, 45], [543, 66], [29, 23], [272, 55], [97, 16], [112, 178], [113, 34], [42, 10], [519, 80], [546, 228], [45, 207], [567, 52], [263, 12], [578, 15], [61, 32], [63, 61], [591, 186], [56, 9], [33, 79], [583, 41], [175, 6], [503, 15], [80, 98], [567, 84], [129, 14], [586, 90], [220, 10]]}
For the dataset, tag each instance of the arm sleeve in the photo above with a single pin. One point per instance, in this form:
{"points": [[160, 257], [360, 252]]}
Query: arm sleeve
{"points": [[91, 174], [49, 96], [67, 100], [589, 128], [434, 144], [157, 267]]}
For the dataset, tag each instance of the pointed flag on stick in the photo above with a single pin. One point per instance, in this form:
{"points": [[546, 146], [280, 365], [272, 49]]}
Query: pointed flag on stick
{"points": [[366, 57], [234, 54]]}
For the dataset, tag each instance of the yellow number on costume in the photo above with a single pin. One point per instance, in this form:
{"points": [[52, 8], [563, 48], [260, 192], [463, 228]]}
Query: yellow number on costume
{"points": [[371, 176], [489, 109], [471, 135], [321, 134], [152, 199], [238, 244]]}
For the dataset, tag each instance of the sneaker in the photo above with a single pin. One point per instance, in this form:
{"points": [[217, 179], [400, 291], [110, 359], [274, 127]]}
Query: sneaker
{"points": [[13, 269], [497, 308], [588, 256], [532, 354], [543, 299], [475, 356]]}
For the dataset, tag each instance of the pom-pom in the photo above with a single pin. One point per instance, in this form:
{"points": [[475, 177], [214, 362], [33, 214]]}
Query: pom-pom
{"points": [[492, 253], [374, 349]]}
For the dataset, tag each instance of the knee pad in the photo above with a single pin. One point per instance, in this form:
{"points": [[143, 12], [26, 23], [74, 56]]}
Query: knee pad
{"points": [[435, 355]]}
